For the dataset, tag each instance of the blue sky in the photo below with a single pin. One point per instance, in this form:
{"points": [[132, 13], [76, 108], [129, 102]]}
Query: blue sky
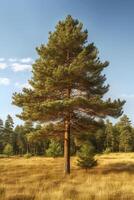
{"points": [[25, 24]]}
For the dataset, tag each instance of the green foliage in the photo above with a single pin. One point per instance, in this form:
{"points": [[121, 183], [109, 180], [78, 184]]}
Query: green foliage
{"points": [[126, 141], [1, 126], [8, 150], [107, 138], [126, 134], [99, 138], [54, 149], [86, 156], [67, 81], [8, 130], [112, 140]]}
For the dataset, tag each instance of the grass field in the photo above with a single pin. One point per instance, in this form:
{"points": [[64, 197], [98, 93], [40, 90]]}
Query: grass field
{"points": [[43, 179]]}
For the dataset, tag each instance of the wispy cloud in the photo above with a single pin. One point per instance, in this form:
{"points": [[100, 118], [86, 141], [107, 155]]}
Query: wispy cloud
{"points": [[18, 67], [12, 59], [16, 64], [3, 65], [26, 60], [2, 59], [4, 81]]}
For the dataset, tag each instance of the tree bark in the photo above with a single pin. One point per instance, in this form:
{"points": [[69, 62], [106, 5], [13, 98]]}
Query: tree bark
{"points": [[67, 147], [67, 133]]}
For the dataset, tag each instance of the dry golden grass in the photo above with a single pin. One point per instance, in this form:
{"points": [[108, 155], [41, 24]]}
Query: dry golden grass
{"points": [[43, 179]]}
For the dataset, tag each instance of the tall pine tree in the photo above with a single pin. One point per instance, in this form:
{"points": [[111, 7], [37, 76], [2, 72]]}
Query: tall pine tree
{"points": [[67, 84], [125, 134], [112, 137], [8, 130]]}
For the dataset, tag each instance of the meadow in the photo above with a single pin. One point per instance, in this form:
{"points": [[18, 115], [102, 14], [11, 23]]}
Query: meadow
{"points": [[40, 178]]}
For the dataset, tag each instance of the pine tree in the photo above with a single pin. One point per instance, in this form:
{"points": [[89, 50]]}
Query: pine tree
{"points": [[112, 138], [86, 156], [20, 139], [126, 141], [28, 128], [126, 134], [54, 149], [1, 126], [67, 84], [8, 130]]}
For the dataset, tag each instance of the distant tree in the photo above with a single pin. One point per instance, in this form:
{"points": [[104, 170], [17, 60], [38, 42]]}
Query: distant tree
{"points": [[126, 134], [67, 84], [20, 139], [28, 128], [8, 131], [40, 143], [1, 135], [32, 142], [54, 149], [124, 122], [126, 141], [8, 150], [112, 137], [100, 138], [86, 156], [96, 137], [1, 127]]}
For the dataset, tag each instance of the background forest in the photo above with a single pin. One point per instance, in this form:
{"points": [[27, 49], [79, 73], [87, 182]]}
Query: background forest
{"points": [[26, 139]]}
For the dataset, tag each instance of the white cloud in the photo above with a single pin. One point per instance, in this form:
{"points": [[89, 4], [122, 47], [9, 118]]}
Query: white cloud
{"points": [[12, 59], [4, 81], [26, 60], [2, 59], [23, 85], [3, 65], [17, 67], [16, 64]]}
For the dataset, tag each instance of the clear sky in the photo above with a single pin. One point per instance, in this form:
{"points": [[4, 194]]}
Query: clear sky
{"points": [[25, 24]]}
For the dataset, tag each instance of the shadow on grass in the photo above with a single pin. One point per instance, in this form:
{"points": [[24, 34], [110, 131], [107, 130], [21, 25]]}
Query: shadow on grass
{"points": [[112, 168], [119, 168]]}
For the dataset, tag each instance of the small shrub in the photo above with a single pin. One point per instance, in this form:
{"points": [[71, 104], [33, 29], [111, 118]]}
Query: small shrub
{"points": [[8, 150], [28, 155], [86, 156]]}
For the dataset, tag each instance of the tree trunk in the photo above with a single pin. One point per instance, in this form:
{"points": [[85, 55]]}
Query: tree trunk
{"points": [[67, 138], [67, 147]]}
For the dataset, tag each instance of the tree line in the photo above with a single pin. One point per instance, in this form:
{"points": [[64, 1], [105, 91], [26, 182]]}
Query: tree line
{"points": [[26, 139]]}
